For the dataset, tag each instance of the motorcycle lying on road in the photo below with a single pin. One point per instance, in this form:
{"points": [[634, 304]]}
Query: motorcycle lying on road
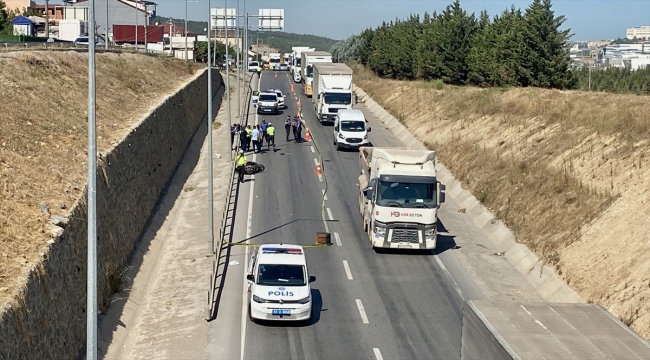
{"points": [[252, 167]]}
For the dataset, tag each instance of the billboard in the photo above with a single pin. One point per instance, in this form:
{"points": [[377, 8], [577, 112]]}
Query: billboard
{"points": [[271, 19], [221, 18]]}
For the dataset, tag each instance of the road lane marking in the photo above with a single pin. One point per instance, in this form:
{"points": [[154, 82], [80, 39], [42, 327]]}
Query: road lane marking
{"points": [[316, 162], [329, 214], [362, 311], [312, 149], [320, 177], [249, 223], [347, 270], [324, 195], [377, 354], [338, 239]]}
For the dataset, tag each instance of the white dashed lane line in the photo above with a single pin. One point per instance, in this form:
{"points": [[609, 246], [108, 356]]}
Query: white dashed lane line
{"points": [[377, 354], [362, 311], [348, 273], [337, 238], [329, 214], [312, 149]]}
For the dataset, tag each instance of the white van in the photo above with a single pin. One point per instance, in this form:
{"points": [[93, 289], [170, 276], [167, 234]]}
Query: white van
{"points": [[252, 66], [350, 129]]}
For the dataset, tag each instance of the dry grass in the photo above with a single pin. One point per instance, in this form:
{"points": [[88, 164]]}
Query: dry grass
{"points": [[565, 170], [43, 136]]}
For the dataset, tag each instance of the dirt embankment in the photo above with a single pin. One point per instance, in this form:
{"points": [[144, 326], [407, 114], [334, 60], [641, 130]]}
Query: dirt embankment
{"points": [[567, 171], [43, 137]]}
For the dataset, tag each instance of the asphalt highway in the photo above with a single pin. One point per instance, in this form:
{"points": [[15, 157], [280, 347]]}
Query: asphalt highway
{"points": [[367, 304]]}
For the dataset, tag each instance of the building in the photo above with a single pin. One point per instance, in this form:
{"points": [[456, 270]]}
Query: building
{"points": [[641, 32], [233, 39], [121, 12], [22, 26], [19, 5]]}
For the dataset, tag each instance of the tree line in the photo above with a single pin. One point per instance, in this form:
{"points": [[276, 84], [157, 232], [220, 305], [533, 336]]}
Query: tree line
{"points": [[514, 48]]}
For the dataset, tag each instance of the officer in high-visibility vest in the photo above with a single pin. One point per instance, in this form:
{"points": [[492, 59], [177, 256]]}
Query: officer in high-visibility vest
{"points": [[240, 161], [259, 70], [270, 133]]}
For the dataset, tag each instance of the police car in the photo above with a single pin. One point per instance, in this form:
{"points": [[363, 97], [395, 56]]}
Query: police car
{"points": [[280, 95], [279, 284]]}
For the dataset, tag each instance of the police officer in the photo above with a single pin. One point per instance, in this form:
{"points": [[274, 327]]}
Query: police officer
{"points": [[240, 162], [259, 70], [270, 133], [287, 126], [263, 127], [248, 136]]}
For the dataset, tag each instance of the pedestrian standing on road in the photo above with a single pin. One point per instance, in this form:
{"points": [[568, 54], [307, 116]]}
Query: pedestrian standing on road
{"points": [[255, 134], [270, 132], [240, 162], [296, 128], [263, 127], [287, 126], [243, 139], [260, 138], [248, 135]]}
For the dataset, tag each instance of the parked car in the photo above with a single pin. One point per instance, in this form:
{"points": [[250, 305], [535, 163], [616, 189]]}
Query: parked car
{"points": [[83, 40]]}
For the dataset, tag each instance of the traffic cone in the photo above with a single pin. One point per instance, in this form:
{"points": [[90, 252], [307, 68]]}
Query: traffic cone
{"points": [[291, 88], [299, 105], [276, 75], [319, 170], [307, 135]]}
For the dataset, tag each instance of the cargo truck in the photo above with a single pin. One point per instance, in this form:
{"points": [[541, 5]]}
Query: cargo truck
{"points": [[274, 61], [296, 57], [399, 197], [308, 61], [332, 89], [125, 34], [541, 330]]}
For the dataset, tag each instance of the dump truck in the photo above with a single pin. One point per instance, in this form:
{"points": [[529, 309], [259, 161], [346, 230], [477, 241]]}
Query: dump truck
{"points": [[308, 61], [399, 197], [332, 89], [541, 330]]}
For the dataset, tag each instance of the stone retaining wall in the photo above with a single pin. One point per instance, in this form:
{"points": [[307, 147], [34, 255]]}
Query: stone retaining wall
{"points": [[49, 321]]}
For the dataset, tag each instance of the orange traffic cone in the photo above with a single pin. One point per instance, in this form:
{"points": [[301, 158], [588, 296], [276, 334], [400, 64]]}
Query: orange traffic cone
{"points": [[319, 170], [299, 105], [291, 88], [307, 135]]}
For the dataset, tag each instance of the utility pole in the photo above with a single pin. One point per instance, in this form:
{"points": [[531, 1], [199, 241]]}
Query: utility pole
{"points": [[227, 64], [106, 36], [136, 25], [146, 23], [47, 19], [186, 30], [91, 290], [237, 42], [210, 185]]}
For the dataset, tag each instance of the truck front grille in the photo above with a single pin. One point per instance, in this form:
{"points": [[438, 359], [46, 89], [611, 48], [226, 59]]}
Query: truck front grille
{"points": [[353, 140], [333, 110], [405, 235]]}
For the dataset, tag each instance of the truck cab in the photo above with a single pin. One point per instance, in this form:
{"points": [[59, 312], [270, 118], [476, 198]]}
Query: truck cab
{"points": [[350, 129]]}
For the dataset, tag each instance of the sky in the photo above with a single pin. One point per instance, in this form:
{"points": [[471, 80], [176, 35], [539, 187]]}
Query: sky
{"points": [[338, 19]]}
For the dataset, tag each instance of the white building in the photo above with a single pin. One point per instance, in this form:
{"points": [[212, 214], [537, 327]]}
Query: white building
{"points": [[642, 32]]}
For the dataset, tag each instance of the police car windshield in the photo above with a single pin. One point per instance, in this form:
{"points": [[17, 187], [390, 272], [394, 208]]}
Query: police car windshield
{"points": [[281, 275], [408, 195], [268, 98]]}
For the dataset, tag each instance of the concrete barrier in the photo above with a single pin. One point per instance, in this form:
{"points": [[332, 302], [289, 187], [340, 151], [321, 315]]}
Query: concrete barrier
{"points": [[545, 281], [49, 319]]}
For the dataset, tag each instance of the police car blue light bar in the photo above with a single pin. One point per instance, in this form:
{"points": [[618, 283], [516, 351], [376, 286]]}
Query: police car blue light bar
{"points": [[276, 250]]}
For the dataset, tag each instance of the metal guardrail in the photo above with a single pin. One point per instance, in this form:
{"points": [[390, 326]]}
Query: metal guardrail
{"points": [[225, 228]]}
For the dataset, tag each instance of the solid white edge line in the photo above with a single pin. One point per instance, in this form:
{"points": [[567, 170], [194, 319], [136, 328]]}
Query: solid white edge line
{"points": [[338, 239], [451, 279], [348, 273], [362, 311], [329, 213], [377, 354], [249, 222]]}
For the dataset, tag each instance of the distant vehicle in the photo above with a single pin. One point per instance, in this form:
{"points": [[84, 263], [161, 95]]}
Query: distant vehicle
{"points": [[284, 67], [280, 95], [267, 103], [279, 284], [83, 40], [252, 66], [350, 129], [296, 77]]}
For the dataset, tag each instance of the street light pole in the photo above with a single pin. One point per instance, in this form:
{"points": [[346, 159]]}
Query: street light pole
{"points": [[106, 39], [136, 25], [237, 42], [227, 63], [91, 297], [185, 30], [210, 186]]}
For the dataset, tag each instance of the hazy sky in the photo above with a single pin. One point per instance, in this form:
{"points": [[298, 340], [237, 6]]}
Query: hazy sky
{"points": [[338, 19]]}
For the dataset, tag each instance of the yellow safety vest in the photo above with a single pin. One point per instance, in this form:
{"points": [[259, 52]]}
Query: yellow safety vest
{"points": [[241, 160], [248, 132], [270, 130]]}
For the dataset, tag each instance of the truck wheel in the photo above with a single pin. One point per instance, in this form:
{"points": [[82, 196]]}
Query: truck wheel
{"points": [[338, 147]]}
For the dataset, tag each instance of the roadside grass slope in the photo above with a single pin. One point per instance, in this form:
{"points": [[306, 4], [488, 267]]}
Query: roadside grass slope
{"points": [[567, 171], [43, 138]]}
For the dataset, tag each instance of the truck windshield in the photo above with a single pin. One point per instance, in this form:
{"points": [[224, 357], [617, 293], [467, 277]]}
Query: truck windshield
{"points": [[337, 98], [297, 62], [411, 195], [268, 98], [353, 126], [275, 60], [281, 275], [310, 70]]}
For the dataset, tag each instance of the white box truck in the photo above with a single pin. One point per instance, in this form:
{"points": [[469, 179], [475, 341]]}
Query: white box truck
{"points": [[296, 58], [71, 29], [332, 89], [399, 197], [308, 61]]}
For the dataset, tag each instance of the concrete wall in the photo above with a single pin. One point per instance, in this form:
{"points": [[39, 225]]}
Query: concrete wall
{"points": [[50, 323], [543, 279]]}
